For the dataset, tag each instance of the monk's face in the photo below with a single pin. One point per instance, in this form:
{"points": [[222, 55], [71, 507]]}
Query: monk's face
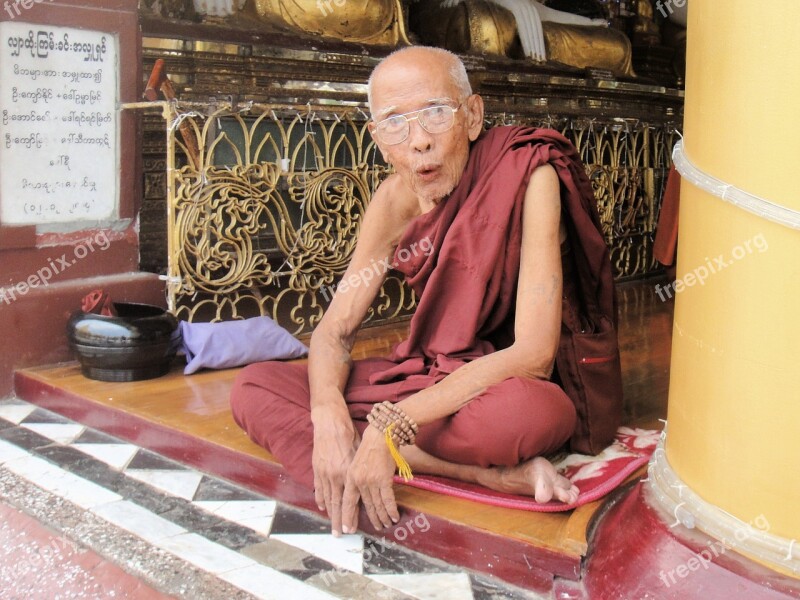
{"points": [[431, 164]]}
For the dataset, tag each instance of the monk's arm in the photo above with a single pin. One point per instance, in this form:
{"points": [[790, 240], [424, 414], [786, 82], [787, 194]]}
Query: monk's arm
{"points": [[537, 318], [335, 436], [332, 341]]}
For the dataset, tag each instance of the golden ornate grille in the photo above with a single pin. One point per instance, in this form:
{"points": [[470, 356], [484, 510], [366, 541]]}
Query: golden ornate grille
{"points": [[264, 214]]}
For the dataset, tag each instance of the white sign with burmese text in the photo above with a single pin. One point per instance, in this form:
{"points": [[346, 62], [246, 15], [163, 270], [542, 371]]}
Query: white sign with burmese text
{"points": [[59, 155]]}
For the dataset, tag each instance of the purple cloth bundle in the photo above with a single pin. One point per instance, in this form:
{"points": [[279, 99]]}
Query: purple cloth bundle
{"points": [[235, 343]]}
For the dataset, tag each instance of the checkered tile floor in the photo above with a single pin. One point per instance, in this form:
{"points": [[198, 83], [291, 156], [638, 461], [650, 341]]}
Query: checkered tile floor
{"points": [[220, 540]]}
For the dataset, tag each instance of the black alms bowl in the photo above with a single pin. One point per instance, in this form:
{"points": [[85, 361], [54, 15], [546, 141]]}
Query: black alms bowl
{"points": [[139, 343]]}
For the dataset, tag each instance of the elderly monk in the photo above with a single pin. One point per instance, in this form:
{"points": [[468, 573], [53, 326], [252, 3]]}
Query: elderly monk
{"points": [[468, 395]]}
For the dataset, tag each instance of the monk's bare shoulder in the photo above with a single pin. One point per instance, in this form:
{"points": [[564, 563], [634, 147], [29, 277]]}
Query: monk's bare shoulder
{"points": [[544, 186]]}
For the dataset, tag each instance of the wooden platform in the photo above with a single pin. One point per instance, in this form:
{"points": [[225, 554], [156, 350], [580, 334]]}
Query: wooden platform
{"points": [[188, 419]]}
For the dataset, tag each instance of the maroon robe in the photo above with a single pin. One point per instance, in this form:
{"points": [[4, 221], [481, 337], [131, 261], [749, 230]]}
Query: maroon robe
{"points": [[467, 291], [666, 242]]}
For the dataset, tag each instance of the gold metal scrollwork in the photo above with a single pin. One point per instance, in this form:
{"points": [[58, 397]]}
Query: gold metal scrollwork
{"points": [[267, 221]]}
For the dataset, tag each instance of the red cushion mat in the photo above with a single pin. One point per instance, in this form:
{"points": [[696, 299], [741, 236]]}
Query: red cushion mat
{"points": [[595, 476]]}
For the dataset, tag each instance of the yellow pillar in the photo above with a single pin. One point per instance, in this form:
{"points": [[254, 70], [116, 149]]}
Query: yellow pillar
{"points": [[734, 404]]}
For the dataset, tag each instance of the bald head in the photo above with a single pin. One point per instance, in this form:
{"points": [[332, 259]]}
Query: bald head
{"points": [[428, 163], [422, 57]]}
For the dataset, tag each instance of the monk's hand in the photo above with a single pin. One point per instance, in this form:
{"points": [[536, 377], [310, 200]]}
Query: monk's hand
{"points": [[335, 444], [370, 478]]}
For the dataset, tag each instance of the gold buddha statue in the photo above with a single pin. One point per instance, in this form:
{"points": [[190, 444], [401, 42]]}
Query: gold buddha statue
{"points": [[374, 22], [493, 27], [513, 28], [645, 30]]}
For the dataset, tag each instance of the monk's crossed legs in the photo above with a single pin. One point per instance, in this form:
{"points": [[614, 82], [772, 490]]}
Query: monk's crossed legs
{"points": [[494, 440]]}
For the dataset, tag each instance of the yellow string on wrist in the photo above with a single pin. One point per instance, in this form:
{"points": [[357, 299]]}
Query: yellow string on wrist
{"points": [[402, 465]]}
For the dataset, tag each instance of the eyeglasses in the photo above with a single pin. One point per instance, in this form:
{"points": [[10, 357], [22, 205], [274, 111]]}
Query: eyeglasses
{"points": [[433, 119]]}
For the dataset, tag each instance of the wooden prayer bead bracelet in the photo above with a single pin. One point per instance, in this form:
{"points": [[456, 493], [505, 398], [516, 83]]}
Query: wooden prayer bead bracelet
{"points": [[385, 414]]}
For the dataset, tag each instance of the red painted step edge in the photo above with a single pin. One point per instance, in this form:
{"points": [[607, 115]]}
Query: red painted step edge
{"points": [[636, 554]]}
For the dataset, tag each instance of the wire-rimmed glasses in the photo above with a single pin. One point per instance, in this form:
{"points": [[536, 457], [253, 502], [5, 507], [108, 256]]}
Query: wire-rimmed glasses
{"points": [[433, 119]]}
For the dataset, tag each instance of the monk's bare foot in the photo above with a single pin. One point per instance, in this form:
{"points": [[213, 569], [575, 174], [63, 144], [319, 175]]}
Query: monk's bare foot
{"points": [[536, 477]]}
